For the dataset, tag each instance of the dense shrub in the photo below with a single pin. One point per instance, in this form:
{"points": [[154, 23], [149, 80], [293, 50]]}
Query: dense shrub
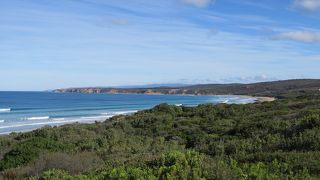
{"points": [[272, 140]]}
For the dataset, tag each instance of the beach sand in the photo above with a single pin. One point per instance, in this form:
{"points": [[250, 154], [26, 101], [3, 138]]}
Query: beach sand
{"points": [[265, 99]]}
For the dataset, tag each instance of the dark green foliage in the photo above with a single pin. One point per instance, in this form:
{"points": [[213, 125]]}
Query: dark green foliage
{"points": [[271, 140], [28, 150]]}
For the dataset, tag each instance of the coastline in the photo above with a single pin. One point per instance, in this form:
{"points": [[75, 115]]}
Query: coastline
{"points": [[37, 124], [259, 99], [265, 99]]}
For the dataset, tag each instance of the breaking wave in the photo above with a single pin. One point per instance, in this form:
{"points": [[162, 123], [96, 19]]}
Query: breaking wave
{"points": [[5, 110], [120, 113], [38, 118]]}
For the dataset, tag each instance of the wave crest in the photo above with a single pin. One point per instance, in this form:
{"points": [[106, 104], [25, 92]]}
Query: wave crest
{"points": [[119, 113], [38, 118], [5, 110]]}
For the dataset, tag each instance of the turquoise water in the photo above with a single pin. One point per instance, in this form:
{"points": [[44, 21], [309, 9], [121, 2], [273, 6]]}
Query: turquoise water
{"points": [[25, 111]]}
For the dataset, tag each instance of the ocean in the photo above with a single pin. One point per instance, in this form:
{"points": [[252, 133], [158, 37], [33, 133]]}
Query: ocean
{"points": [[26, 111]]}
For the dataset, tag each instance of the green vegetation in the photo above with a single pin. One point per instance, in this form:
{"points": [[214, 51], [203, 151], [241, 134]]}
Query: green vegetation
{"points": [[276, 89], [271, 140]]}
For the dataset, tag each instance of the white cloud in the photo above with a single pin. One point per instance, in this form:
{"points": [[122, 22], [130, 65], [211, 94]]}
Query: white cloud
{"points": [[309, 5], [301, 36], [199, 3]]}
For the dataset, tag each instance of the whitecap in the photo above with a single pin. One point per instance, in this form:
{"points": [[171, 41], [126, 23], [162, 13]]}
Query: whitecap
{"points": [[96, 117], [225, 101], [38, 118], [125, 112], [67, 121], [91, 117], [119, 113], [58, 119], [5, 110], [107, 113]]}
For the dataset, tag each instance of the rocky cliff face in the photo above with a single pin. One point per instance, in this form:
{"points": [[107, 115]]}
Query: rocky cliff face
{"points": [[117, 91]]}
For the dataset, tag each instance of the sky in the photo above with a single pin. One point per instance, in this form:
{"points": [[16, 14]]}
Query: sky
{"points": [[46, 44]]}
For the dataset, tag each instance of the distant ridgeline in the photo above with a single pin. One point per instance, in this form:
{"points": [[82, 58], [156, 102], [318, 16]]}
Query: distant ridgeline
{"points": [[275, 88]]}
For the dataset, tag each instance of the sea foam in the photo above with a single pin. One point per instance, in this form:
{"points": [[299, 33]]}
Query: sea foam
{"points": [[58, 119], [225, 101], [5, 110], [38, 118], [125, 112], [66, 121], [120, 113]]}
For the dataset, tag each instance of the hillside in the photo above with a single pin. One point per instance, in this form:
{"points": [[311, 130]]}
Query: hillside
{"points": [[271, 140], [275, 88]]}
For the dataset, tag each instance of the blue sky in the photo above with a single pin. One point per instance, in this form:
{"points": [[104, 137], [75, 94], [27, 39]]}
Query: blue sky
{"points": [[48, 44]]}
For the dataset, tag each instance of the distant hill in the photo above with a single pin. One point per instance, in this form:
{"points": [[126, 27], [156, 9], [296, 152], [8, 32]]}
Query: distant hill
{"points": [[152, 86], [273, 88]]}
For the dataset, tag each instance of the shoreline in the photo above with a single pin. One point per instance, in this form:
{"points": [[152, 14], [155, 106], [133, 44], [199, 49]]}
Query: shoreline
{"points": [[257, 98], [265, 99], [89, 120]]}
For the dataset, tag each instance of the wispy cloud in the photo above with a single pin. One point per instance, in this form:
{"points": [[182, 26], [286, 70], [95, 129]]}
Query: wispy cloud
{"points": [[241, 18], [212, 32], [120, 21], [253, 3], [308, 5], [233, 79], [88, 41], [199, 3], [301, 36], [248, 79]]}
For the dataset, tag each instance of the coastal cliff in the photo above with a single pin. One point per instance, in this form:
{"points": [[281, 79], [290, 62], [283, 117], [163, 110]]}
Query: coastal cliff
{"points": [[274, 88]]}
